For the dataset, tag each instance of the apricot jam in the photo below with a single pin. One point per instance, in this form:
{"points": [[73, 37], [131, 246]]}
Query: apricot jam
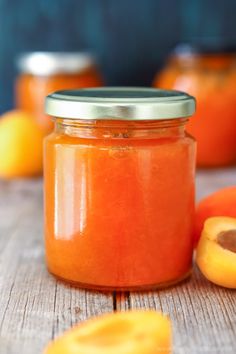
{"points": [[44, 72], [209, 75], [119, 188]]}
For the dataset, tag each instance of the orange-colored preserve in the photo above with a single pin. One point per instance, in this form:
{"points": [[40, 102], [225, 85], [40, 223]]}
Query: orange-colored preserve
{"points": [[119, 193], [46, 72], [211, 78]]}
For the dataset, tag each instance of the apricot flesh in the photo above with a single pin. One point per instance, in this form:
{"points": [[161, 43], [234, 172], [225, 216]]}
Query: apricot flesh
{"points": [[133, 332], [220, 203], [216, 251]]}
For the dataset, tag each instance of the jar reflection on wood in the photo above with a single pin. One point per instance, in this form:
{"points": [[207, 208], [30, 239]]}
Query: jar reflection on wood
{"points": [[44, 72], [119, 188], [210, 75]]}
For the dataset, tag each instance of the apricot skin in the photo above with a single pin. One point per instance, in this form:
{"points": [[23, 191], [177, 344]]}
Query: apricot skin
{"points": [[133, 332], [21, 146], [218, 264], [220, 203]]}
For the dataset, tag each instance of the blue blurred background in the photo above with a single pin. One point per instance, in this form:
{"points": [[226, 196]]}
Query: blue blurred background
{"points": [[130, 37]]}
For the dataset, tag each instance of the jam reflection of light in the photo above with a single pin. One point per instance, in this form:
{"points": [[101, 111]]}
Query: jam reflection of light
{"points": [[71, 198]]}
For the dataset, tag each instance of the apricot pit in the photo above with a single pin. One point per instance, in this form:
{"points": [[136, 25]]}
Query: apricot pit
{"points": [[227, 240]]}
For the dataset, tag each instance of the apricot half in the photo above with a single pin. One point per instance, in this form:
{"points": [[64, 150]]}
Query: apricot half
{"points": [[134, 332], [216, 251], [219, 203]]}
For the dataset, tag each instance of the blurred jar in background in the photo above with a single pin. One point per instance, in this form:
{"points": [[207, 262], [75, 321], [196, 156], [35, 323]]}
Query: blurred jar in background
{"points": [[209, 74], [41, 73]]}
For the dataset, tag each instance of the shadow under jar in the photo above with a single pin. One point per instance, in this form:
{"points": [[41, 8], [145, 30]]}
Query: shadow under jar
{"points": [[41, 73], [119, 188], [208, 73]]}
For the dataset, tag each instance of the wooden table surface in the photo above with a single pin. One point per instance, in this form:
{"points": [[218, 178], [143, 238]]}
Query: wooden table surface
{"points": [[34, 307]]}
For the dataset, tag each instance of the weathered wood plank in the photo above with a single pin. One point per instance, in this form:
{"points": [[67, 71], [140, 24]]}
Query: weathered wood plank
{"points": [[208, 181], [34, 307], [203, 315]]}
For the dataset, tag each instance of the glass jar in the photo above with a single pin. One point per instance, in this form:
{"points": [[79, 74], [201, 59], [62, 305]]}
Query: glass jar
{"points": [[44, 72], [210, 76], [119, 188]]}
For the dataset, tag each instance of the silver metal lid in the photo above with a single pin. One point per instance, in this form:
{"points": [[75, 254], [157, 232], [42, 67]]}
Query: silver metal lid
{"points": [[51, 63], [125, 103]]}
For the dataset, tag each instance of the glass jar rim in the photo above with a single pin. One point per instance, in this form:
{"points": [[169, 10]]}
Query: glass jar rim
{"points": [[124, 103], [199, 48], [51, 63]]}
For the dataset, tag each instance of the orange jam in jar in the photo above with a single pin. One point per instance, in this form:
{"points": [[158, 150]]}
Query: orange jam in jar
{"points": [[209, 74], [119, 188], [44, 72]]}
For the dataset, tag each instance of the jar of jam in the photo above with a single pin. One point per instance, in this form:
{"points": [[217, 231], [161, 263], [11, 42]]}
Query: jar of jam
{"points": [[119, 187], [44, 72], [208, 73]]}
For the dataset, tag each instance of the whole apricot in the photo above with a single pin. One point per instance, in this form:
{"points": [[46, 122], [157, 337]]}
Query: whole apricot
{"points": [[220, 203], [20, 145], [216, 251], [133, 332]]}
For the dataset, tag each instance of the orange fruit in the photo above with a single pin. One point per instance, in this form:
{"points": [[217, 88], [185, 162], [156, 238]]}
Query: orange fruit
{"points": [[133, 332], [20, 145]]}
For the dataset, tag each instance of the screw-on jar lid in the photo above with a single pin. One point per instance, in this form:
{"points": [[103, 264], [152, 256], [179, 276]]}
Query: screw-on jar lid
{"points": [[125, 103], [51, 63]]}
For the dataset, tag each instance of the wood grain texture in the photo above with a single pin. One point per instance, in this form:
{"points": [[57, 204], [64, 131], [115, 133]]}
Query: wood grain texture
{"points": [[34, 307], [208, 181], [203, 315]]}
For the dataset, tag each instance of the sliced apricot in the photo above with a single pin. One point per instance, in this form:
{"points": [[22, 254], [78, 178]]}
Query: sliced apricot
{"points": [[216, 251], [219, 203], [133, 332]]}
